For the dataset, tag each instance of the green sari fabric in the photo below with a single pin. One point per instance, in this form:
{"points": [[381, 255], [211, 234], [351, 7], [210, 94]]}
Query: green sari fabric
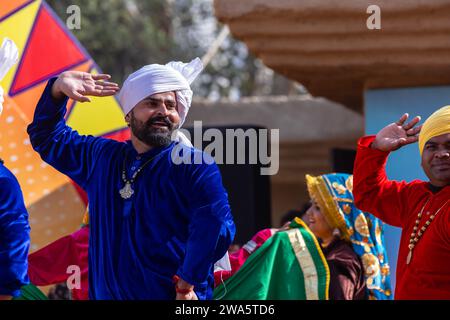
{"points": [[288, 266], [31, 292]]}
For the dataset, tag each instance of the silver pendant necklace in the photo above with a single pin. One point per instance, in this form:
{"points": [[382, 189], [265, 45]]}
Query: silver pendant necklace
{"points": [[127, 191]]}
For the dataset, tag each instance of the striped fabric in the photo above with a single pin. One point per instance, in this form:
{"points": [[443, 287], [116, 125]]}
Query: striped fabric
{"points": [[288, 266], [31, 292]]}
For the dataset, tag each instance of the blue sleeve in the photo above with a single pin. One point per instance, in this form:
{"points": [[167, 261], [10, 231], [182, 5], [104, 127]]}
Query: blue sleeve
{"points": [[60, 146], [14, 238], [211, 226]]}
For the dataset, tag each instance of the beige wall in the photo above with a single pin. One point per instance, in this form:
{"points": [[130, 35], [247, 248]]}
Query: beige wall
{"points": [[286, 196]]}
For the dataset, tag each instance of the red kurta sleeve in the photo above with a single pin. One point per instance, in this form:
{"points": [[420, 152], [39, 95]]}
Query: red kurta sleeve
{"points": [[238, 258], [49, 265], [372, 190]]}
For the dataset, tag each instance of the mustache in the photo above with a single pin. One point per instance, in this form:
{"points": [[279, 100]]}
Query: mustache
{"points": [[165, 120], [440, 162]]}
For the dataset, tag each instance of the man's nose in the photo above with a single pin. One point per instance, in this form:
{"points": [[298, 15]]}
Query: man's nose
{"points": [[442, 154], [162, 109]]}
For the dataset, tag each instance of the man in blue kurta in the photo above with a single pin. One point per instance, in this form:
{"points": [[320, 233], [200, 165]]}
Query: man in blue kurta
{"points": [[14, 227], [14, 234], [151, 220]]}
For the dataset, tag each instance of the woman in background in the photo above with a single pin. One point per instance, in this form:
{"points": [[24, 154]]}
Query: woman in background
{"points": [[351, 240]]}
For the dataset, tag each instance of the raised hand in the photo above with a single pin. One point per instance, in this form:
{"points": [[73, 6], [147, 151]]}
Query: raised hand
{"points": [[397, 134], [78, 85]]}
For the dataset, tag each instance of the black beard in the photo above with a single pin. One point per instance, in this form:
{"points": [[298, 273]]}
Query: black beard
{"points": [[152, 136]]}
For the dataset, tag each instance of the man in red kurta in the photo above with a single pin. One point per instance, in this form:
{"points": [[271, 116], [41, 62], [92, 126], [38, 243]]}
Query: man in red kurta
{"points": [[423, 268]]}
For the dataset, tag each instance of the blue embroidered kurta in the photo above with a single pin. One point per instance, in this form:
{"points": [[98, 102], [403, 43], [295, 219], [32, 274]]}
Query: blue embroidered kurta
{"points": [[177, 222], [14, 235]]}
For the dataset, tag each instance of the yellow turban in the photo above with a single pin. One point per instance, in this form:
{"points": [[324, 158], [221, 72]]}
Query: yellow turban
{"points": [[437, 124], [318, 188]]}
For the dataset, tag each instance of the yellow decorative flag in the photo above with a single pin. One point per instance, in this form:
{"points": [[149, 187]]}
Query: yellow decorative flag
{"points": [[45, 49]]}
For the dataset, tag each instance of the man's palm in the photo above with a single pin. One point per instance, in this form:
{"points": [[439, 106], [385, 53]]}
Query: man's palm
{"points": [[78, 85], [398, 134]]}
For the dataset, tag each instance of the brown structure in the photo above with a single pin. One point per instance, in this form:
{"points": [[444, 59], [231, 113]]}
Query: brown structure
{"points": [[306, 137], [327, 46]]}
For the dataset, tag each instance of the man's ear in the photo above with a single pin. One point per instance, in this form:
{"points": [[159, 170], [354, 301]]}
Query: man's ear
{"points": [[127, 119]]}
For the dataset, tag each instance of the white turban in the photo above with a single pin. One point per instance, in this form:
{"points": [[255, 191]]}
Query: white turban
{"points": [[8, 57], [157, 78]]}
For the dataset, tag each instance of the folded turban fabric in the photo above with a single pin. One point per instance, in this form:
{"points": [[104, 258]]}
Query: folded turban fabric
{"points": [[156, 78], [8, 57], [437, 124]]}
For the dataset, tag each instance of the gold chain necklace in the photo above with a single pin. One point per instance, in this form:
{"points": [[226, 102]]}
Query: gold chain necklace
{"points": [[416, 237]]}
